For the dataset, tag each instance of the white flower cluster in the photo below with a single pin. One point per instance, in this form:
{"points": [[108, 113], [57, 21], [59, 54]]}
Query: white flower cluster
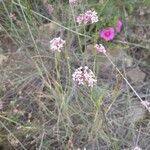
{"points": [[57, 44], [137, 148], [89, 16], [73, 1], [83, 75]]}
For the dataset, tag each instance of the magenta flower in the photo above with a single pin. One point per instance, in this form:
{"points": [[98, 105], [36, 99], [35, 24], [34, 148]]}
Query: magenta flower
{"points": [[119, 26], [107, 34]]}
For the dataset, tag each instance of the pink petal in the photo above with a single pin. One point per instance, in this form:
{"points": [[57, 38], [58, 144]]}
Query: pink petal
{"points": [[119, 26], [107, 34]]}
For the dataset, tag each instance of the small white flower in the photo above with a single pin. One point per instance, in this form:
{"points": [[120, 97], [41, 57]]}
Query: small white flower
{"points": [[73, 1], [137, 148], [83, 75], [146, 104], [57, 44], [80, 19], [89, 16], [100, 48]]}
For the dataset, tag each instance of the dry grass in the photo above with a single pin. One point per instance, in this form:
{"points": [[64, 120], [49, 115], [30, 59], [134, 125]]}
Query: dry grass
{"points": [[42, 108]]}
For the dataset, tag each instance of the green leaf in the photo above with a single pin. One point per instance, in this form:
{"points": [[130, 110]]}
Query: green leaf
{"points": [[98, 94]]}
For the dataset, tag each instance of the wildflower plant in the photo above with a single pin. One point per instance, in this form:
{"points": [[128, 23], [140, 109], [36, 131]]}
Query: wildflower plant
{"points": [[109, 33], [47, 92]]}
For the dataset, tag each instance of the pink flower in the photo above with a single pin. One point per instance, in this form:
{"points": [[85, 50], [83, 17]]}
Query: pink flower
{"points": [[107, 34], [89, 16], [119, 26], [57, 44], [137, 148], [146, 104], [100, 48], [80, 19], [83, 75], [73, 1]]}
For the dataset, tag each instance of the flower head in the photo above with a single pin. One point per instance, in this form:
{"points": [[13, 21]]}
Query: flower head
{"points": [[107, 34], [100, 48], [119, 26], [146, 104], [80, 18], [83, 75], [137, 148], [73, 1], [57, 44], [89, 16]]}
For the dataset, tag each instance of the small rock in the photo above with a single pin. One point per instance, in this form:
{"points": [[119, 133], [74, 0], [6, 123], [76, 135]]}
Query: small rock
{"points": [[119, 55], [136, 75], [90, 48], [48, 28], [2, 59], [136, 112]]}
